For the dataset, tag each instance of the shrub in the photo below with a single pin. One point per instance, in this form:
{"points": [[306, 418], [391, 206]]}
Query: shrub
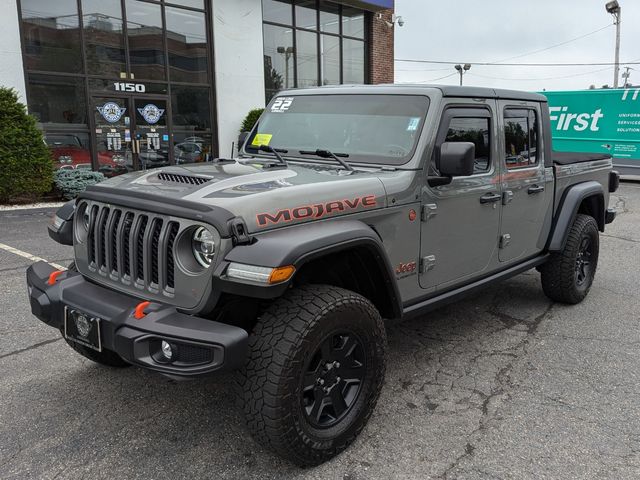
{"points": [[251, 119], [25, 161], [72, 182]]}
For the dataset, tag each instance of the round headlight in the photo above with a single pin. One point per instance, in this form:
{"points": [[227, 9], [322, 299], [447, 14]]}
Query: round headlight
{"points": [[85, 219], [204, 246]]}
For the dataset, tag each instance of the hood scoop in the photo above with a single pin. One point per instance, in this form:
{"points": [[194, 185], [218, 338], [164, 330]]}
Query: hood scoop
{"points": [[184, 179]]}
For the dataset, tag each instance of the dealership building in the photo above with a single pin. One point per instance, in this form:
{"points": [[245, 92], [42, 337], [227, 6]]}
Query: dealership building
{"points": [[128, 84]]}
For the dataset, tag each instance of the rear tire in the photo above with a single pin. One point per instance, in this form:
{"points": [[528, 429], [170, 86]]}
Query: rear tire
{"points": [[313, 374], [568, 275]]}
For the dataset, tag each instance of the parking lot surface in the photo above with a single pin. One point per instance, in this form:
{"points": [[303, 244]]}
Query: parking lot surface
{"points": [[504, 384]]}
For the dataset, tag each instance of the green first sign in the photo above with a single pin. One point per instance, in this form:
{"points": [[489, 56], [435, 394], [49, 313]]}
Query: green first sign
{"points": [[598, 121]]}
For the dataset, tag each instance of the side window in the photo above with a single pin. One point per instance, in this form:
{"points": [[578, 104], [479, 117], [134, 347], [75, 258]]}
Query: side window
{"points": [[520, 138], [475, 130]]}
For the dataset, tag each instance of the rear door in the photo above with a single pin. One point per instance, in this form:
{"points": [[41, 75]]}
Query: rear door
{"points": [[461, 220], [527, 191]]}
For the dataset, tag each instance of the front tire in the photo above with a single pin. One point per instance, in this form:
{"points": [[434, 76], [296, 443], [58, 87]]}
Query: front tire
{"points": [[568, 275], [314, 372]]}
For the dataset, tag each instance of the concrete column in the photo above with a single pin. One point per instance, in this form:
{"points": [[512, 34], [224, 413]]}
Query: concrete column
{"points": [[11, 69]]}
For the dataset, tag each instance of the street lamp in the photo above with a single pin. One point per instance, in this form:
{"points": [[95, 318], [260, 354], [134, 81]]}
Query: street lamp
{"points": [[615, 9], [287, 51], [462, 69]]}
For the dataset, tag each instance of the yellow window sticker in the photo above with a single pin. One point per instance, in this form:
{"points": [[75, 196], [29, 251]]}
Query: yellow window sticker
{"points": [[261, 139]]}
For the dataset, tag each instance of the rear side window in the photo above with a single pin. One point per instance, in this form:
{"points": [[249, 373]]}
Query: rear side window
{"points": [[476, 131], [520, 138]]}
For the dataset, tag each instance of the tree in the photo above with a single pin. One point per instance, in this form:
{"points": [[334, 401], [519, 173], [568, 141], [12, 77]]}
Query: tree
{"points": [[26, 167]]}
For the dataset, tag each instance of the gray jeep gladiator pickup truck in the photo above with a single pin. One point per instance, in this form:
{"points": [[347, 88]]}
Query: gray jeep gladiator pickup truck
{"points": [[346, 205]]}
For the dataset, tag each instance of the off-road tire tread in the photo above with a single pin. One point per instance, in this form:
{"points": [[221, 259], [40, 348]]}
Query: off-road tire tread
{"points": [[558, 273], [262, 385]]}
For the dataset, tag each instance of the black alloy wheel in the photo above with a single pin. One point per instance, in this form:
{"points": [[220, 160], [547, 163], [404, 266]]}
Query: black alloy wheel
{"points": [[333, 378], [583, 261]]}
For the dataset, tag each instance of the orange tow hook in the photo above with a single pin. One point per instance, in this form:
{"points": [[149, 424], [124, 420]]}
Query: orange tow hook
{"points": [[53, 276], [139, 311]]}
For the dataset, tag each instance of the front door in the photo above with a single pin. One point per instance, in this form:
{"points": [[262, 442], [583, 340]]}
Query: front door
{"points": [[131, 133], [527, 187], [461, 220]]}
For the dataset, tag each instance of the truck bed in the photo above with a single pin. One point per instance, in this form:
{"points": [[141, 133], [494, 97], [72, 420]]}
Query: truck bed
{"points": [[567, 158]]}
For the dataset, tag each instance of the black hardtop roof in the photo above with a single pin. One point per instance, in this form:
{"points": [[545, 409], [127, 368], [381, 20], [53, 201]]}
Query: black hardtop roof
{"points": [[412, 88]]}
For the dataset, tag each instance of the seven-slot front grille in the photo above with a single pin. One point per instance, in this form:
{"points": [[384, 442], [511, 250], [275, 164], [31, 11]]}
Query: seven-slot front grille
{"points": [[132, 247]]}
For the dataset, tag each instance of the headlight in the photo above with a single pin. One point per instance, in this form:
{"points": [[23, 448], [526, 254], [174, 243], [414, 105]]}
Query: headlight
{"points": [[204, 246]]}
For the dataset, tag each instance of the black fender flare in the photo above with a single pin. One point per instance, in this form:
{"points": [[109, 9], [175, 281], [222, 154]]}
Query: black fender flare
{"points": [[568, 209], [301, 244], [64, 233]]}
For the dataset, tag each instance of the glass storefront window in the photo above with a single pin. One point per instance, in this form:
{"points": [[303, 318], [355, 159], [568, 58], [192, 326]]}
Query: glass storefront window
{"points": [[57, 102], [278, 58], [306, 14], [352, 22], [329, 17], [103, 36], [187, 45], [277, 11], [330, 55], [307, 58], [192, 148], [69, 150], [51, 35], [190, 108], [146, 45], [188, 3], [329, 45], [352, 61]]}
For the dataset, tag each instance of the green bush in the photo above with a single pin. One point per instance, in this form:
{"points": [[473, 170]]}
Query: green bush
{"points": [[26, 167], [251, 119], [72, 182]]}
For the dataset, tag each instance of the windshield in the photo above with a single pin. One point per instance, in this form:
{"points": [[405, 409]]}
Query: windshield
{"points": [[369, 128]]}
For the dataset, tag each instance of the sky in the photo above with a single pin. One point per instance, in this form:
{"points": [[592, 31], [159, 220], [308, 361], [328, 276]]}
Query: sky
{"points": [[468, 31]]}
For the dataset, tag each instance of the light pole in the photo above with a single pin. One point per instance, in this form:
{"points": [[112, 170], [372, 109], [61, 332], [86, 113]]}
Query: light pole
{"points": [[462, 69], [615, 9], [288, 51]]}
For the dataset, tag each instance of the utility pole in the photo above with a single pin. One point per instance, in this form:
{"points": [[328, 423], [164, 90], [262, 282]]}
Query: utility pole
{"points": [[462, 69], [615, 9]]}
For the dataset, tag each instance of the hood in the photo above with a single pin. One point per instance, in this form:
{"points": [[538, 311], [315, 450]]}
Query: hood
{"points": [[265, 198]]}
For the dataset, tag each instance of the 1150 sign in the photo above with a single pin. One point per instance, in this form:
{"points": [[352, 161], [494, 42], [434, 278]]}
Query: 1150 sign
{"points": [[129, 87]]}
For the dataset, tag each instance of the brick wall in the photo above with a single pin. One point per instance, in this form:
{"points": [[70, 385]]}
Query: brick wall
{"points": [[381, 48]]}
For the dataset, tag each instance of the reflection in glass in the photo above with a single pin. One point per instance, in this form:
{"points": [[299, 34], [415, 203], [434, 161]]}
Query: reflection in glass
{"points": [[278, 11], [57, 101], [190, 148], [187, 45], [190, 108], [151, 132], [330, 56], [307, 58], [306, 14], [352, 22], [188, 3], [51, 35], [329, 17], [353, 61], [278, 59], [476, 131], [146, 48], [104, 39], [111, 118]]}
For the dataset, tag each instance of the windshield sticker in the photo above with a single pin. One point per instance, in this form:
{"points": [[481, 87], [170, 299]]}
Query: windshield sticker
{"points": [[282, 104], [413, 124], [261, 139]]}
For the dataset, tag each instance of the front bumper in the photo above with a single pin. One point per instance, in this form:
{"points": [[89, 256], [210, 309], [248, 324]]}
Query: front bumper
{"points": [[209, 346]]}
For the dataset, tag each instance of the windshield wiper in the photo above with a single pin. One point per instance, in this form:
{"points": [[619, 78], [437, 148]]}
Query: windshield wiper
{"points": [[328, 154], [276, 152]]}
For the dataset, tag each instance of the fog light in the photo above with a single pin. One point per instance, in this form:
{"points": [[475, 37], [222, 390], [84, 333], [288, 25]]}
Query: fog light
{"points": [[167, 350]]}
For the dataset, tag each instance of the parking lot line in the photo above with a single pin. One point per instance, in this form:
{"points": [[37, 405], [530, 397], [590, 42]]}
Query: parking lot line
{"points": [[34, 258]]}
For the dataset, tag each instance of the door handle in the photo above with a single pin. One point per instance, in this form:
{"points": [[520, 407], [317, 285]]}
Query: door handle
{"points": [[490, 198], [535, 189]]}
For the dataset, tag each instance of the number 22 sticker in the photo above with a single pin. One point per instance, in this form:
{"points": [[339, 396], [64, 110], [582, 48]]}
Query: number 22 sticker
{"points": [[281, 104]]}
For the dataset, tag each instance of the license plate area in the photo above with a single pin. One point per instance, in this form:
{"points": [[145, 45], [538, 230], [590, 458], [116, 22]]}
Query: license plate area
{"points": [[82, 328]]}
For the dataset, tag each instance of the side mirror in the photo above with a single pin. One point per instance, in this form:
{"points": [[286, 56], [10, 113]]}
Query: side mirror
{"points": [[241, 139], [457, 159]]}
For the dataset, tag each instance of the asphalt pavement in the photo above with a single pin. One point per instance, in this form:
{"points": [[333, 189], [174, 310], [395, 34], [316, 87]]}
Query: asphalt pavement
{"points": [[504, 384]]}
